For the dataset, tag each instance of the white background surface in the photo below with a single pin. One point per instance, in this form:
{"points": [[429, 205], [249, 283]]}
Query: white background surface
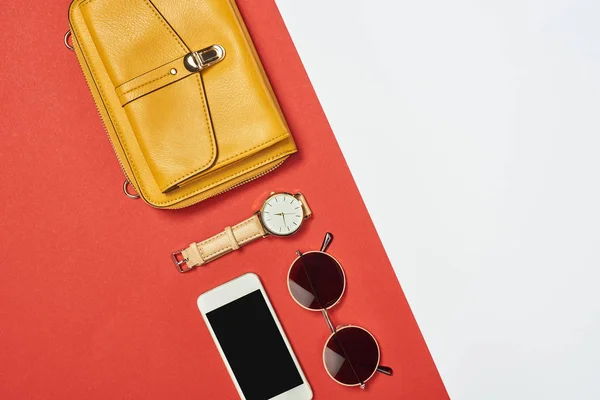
{"points": [[473, 131]]}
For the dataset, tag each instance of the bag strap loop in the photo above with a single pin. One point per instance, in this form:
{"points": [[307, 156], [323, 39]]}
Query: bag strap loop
{"points": [[66, 41], [126, 185]]}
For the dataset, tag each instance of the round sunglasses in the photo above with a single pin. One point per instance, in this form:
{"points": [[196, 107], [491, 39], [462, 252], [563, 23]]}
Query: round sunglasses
{"points": [[317, 282]]}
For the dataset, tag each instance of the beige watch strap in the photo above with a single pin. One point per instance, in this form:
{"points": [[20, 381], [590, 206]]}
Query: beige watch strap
{"points": [[231, 239], [302, 199]]}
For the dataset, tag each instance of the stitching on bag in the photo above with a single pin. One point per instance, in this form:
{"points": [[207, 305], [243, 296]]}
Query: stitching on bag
{"points": [[145, 84], [159, 17], [167, 27], [127, 152], [210, 131], [236, 175], [255, 147], [146, 73], [262, 74]]}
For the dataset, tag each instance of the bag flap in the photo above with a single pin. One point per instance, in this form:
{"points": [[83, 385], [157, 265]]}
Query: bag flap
{"points": [[165, 103]]}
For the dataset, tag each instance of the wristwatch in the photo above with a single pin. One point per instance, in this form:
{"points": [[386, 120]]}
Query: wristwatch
{"points": [[282, 214]]}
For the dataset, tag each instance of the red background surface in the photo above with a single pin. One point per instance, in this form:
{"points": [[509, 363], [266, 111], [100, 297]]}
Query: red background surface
{"points": [[90, 305]]}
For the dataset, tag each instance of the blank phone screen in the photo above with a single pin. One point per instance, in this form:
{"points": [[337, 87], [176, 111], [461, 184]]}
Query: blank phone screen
{"points": [[254, 348]]}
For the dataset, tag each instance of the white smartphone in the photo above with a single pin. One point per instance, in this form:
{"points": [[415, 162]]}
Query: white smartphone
{"points": [[251, 341]]}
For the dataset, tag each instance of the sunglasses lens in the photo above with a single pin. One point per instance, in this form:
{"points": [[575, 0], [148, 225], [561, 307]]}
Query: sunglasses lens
{"points": [[351, 356], [316, 280]]}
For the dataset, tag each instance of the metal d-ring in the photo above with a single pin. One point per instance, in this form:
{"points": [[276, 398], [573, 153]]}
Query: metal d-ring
{"points": [[66, 41], [126, 185]]}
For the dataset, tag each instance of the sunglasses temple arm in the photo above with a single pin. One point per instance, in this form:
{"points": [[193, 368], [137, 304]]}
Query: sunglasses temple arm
{"points": [[385, 370], [328, 320], [326, 242]]}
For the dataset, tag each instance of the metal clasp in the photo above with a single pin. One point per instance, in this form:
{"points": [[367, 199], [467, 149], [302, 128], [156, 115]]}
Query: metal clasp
{"points": [[197, 61], [181, 265]]}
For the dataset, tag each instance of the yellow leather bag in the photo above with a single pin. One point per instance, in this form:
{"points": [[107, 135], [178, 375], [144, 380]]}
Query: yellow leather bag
{"points": [[182, 94]]}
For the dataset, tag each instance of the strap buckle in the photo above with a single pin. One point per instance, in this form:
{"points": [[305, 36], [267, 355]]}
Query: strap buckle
{"points": [[181, 265], [197, 61]]}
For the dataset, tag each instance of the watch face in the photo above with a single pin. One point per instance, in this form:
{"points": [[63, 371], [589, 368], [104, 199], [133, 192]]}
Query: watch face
{"points": [[282, 214]]}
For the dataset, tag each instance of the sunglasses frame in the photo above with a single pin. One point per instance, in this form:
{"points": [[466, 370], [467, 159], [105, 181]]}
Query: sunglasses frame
{"points": [[341, 269], [333, 333], [334, 330]]}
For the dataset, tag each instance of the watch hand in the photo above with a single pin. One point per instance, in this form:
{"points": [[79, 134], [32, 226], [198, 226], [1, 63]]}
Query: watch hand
{"points": [[283, 215]]}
